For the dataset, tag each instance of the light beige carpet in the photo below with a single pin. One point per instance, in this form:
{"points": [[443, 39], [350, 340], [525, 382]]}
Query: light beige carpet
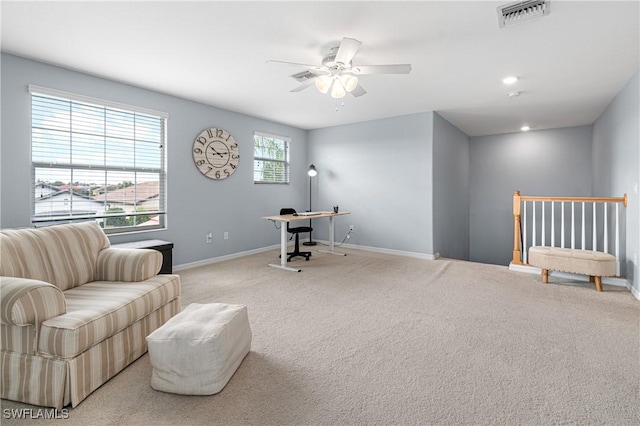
{"points": [[376, 339]]}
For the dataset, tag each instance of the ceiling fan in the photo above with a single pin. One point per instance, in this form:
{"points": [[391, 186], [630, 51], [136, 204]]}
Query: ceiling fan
{"points": [[337, 75]]}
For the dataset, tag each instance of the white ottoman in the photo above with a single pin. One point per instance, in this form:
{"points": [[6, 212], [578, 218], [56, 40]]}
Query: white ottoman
{"points": [[197, 351]]}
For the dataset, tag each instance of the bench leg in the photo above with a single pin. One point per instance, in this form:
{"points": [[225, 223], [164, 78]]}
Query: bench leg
{"points": [[545, 276], [599, 283]]}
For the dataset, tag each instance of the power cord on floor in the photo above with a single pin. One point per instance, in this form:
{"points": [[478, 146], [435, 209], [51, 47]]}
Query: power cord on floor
{"points": [[346, 237], [343, 240]]}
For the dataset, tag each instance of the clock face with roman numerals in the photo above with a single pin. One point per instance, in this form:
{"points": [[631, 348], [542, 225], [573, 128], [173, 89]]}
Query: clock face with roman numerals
{"points": [[216, 153]]}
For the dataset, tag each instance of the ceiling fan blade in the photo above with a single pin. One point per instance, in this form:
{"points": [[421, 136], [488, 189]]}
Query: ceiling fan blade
{"points": [[347, 50], [304, 85], [382, 69], [358, 91], [296, 64]]}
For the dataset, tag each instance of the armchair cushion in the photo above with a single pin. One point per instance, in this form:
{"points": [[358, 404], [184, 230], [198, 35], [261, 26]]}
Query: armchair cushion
{"points": [[121, 264], [24, 255], [29, 302], [73, 250], [63, 255], [100, 309]]}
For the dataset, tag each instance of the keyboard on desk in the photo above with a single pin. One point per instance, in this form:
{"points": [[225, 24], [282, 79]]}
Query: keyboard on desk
{"points": [[309, 213]]}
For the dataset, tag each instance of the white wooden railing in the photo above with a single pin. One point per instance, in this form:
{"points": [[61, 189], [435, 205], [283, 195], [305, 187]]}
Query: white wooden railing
{"points": [[586, 223]]}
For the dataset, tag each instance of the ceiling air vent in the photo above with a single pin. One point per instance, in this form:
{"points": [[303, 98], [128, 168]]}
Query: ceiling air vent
{"points": [[303, 76], [521, 11]]}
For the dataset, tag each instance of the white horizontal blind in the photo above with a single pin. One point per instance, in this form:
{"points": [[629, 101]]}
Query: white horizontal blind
{"points": [[271, 158], [95, 160]]}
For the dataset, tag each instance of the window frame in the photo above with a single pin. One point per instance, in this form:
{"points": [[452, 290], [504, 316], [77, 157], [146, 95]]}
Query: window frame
{"points": [[137, 113], [286, 162]]}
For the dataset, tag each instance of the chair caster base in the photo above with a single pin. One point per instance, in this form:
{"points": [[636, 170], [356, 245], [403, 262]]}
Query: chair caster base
{"points": [[291, 256]]}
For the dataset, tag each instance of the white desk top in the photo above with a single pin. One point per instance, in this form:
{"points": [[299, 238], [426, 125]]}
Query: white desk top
{"points": [[292, 218]]}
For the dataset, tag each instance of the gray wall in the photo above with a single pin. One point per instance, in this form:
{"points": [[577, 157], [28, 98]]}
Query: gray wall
{"points": [[553, 162], [616, 164], [450, 190], [381, 171], [196, 205]]}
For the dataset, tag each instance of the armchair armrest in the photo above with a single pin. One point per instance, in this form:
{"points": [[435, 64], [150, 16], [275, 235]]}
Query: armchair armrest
{"points": [[29, 302], [124, 264]]}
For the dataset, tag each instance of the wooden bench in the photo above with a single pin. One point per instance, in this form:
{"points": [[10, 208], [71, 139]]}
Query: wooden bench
{"points": [[596, 264]]}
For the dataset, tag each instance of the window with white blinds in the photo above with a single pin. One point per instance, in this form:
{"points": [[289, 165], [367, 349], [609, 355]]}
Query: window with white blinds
{"points": [[270, 158], [97, 160]]}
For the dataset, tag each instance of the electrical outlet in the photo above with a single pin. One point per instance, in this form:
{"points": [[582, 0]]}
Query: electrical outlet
{"points": [[208, 237], [226, 235], [352, 228]]}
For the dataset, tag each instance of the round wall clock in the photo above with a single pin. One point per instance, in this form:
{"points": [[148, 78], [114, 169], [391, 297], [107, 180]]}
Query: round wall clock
{"points": [[216, 153]]}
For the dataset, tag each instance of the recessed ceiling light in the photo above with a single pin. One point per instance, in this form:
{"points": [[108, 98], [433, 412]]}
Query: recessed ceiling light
{"points": [[525, 128], [513, 94], [510, 79]]}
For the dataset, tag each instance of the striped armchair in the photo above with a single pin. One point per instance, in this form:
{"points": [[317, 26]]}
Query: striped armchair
{"points": [[74, 311]]}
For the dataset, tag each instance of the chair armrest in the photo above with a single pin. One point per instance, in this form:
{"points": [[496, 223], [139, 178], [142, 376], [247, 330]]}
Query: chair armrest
{"points": [[29, 302], [128, 264]]}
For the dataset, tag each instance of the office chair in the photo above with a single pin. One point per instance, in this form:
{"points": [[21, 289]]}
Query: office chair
{"points": [[296, 231]]}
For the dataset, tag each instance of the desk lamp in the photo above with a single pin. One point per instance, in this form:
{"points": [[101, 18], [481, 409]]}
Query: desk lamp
{"points": [[311, 172]]}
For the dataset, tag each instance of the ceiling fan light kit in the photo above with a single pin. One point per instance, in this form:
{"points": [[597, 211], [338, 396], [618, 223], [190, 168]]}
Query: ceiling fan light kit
{"points": [[349, 82], [339, 85], [336, 75], [323, 83], [337, 90]]}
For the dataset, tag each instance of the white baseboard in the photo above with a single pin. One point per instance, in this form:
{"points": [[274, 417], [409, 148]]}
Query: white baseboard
{"points": [[263, 249], [223, 258], [634, 291], [426, 256], [620, 282]]}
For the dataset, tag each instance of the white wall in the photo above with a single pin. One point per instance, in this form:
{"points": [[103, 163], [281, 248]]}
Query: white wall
{"points": [[196, 205], [553, 162], [616, 165], [381, 171]]}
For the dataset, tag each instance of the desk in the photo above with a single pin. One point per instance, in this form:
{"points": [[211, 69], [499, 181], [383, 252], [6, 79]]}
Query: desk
{"points": [[284, 219]]}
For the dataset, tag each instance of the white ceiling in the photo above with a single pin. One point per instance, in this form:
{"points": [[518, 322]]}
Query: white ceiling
{"points": [[571, 62]]}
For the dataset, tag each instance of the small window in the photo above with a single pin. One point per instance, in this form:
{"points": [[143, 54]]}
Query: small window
{"points": [[93, 160], [270, 158]]}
